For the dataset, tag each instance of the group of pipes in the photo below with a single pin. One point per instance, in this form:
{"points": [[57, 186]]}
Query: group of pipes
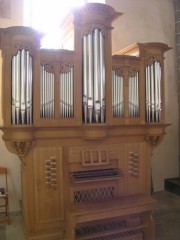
{"points": [[118, 95], [93, 77], [66, 101], [153, 92], [22, 88], [93, 88]]}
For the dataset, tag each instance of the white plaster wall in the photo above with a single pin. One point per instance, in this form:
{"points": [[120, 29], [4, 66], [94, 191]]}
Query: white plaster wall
{"points": [[7, 159], [12, 162], [154, 21], [16, 14]]}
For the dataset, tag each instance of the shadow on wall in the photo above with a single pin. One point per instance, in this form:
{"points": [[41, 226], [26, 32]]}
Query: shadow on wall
{"points": [[13, 164]]}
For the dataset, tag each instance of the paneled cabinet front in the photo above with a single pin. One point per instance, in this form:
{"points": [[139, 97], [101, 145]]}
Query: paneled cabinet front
{"points": [[138, 168], [48, 187]]}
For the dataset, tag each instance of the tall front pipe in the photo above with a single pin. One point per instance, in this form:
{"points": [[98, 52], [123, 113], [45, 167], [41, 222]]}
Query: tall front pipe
{"points": [[102, 78], [90, 78], [85, 77], [14, 90], [30, 90], [17, 101], [72, 90], [96, 75], [27, 89]]}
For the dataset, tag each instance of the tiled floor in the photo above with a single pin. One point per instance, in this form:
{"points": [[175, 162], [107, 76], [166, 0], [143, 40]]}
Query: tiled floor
{"points": [[166, 216], [14, 230]]}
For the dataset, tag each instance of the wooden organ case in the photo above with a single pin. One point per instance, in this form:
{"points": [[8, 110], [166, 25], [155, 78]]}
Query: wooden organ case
{"points": [[84, 124]]}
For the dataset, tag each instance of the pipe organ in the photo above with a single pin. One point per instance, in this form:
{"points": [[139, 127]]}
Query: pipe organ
{"points": [[84, 123]]}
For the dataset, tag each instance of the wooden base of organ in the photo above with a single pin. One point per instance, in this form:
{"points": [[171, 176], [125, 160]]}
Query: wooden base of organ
{"points": [[85, 142], [100, 180], [122, 218]]}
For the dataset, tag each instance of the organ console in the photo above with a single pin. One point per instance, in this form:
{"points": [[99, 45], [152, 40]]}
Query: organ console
{"points": [[84, 123]]}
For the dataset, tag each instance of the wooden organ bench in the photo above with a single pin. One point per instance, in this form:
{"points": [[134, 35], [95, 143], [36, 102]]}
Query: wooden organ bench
{"points": [[84, 123], [123, 218]]}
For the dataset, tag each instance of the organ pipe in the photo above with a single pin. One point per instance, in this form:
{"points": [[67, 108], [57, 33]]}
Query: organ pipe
{"points": [[153, 92], [102, 77], [22, 88], [93, 77]]}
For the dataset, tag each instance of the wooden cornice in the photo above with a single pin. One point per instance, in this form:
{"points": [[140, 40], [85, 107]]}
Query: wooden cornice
{"points": [[21, 140]]}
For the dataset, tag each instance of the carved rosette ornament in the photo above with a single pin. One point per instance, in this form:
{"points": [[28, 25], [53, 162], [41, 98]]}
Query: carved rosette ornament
{"points": [[23, 148], [151, 59], [153, 140], [88, 29], [57, 66]]}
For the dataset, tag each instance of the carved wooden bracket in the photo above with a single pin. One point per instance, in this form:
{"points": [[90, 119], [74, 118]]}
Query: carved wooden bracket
{"points": [[22, 148], [153, 140]]}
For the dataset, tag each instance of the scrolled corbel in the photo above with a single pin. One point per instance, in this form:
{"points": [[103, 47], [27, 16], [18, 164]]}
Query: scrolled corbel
{"points": [[153, 140], [23, 148]]}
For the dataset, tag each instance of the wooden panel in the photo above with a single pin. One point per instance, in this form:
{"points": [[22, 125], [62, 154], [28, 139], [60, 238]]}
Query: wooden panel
{"points": [[48, 198], [136, 168]]}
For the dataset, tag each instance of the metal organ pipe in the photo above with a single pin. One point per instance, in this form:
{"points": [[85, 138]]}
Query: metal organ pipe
{"points": [[153, 92], [96, 76], [102, 77], [22, 88], [158, 91], [89, 68], [29, 88], [85, 77], [93, 77]]}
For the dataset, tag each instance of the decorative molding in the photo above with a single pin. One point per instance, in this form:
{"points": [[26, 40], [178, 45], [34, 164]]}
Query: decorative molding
{"points": [[57, 66], [88, 29], [126, 72], [23, 45], [149, 60], [4, 8]]}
